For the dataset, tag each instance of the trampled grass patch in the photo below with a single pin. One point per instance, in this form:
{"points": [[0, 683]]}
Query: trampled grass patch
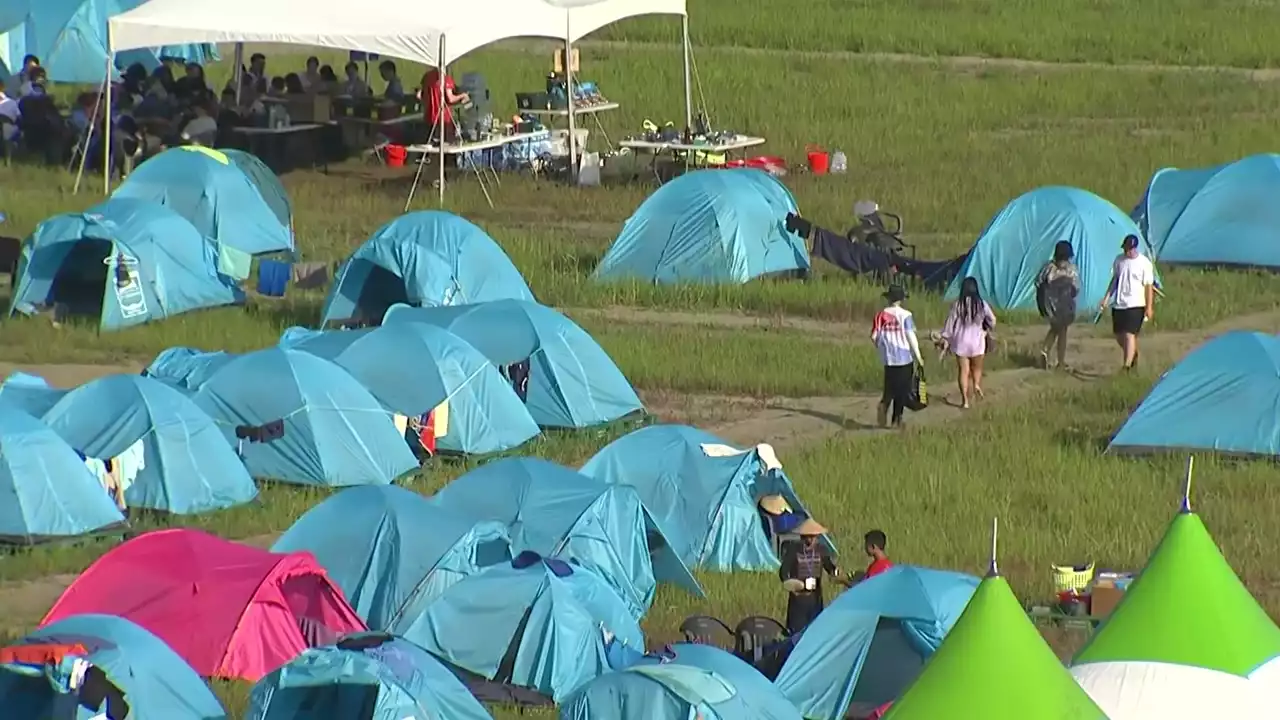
{"points": [[1180, 32]]}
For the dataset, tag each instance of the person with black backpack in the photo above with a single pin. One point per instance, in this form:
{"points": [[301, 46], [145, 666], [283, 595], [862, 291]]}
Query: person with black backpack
{"points": [[1057, 287]]}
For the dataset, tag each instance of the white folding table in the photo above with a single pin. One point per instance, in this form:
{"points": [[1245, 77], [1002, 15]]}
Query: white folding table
{"points": [[456, 149]]}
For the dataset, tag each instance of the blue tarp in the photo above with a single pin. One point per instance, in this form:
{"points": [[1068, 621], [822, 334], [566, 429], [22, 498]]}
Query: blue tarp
{"points": [[187, 369], [335, 432], [29, 393], [70, 38], [1222, 396], [328, 682], [872, 641], [572, 381], [157, 683], [726, 226], [1019, 241], [425, 258], [392, 551], [548, 612], [124, 262], [691, 681], [209, 189], [1224, 215], [46, 491], [554, 511], [706, 506], [190, 467], [413, 367]]}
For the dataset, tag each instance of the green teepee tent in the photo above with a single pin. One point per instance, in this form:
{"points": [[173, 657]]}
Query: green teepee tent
{"points": [[994, 665]]}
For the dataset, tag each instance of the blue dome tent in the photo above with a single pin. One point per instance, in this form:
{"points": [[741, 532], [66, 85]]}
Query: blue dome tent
{"points": [[123, 262], [189, 467], [366, 672], [690, 681], [869, 645], [725, 226], [391, 550], [1019, 241], [70, 38], [534, 623], [1222, 396], [413, 367], [425, 258], [186, 368], [333, 432], [156, 682], [29, 393], [211, 190], [556, 512], [1224, 215], [572, 382], [706, 505], [49, 492]]}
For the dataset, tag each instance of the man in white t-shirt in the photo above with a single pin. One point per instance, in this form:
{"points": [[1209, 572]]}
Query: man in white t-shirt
{"points": [[894, 333], [10, 112], [1132, 295]]}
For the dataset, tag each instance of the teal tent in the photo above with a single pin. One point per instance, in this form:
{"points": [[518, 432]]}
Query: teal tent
{"points": [[534, 623], [366, 675], [393, 551], [705, 501], [122, 263], [726, 226], [212, 190], [556, 512], [332, 432], [413, 367], [571, 382], [157, 683], [1019, 241], [29, 393], [186, 369], [424, 258], [46, 490], [187, 465]]}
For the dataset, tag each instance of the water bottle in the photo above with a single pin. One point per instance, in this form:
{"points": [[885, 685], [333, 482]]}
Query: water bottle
{"points": [[839, 163]]}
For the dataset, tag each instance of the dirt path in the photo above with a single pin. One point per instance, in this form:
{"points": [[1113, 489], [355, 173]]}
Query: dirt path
{"points": [[67, 376]]}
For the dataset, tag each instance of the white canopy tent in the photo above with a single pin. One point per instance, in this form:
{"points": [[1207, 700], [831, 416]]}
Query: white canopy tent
{"points": [[433, 33]]}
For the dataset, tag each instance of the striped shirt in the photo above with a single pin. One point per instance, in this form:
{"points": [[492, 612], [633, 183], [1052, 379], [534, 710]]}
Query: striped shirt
{"points": [[894, 333]]}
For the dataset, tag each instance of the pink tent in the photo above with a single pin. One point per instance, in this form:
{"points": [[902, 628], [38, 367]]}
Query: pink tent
{"points": [[230, 610]]}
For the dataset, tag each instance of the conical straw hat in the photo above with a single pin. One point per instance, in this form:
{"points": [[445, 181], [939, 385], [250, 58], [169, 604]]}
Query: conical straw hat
{"points": [[774, 504], [810, 527]]}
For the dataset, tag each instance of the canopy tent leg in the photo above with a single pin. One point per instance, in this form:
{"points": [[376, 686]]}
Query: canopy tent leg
{"points": [[238, 70], [688, 74], [442, 68], [568, 80], [87, 139], [106, 115]]}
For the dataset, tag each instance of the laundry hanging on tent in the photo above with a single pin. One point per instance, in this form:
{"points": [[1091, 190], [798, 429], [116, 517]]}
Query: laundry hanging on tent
{"points": [[264, 433]]}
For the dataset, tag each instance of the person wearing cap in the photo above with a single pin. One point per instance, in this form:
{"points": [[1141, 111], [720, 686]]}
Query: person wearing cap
{"points": [[894, 333], [1057, 287], [1131, 293], [801, 572]]}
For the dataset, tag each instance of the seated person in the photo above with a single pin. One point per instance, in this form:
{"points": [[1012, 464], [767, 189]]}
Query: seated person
{"points": [[293, 85], [42, 126], [201, 129], [9, 114], [431, 91], [26, 78], [278, 88], [354, 87], [311, 75], [394, 91], [328, 82], [192, 86], [777, 516]]}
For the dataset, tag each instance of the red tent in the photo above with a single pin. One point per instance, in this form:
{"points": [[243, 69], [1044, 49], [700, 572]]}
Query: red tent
{"points": [[230, 610]]}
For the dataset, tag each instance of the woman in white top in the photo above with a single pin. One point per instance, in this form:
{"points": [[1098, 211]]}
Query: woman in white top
{"points": [[894, 333], [1132, 287]]}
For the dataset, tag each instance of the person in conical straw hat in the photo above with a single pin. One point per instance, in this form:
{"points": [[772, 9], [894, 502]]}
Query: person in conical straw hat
{"points": [[803, 564]]}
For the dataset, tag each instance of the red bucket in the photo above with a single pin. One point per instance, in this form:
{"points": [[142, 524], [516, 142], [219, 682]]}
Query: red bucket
{"points": [[395, 155], [819, 160]]}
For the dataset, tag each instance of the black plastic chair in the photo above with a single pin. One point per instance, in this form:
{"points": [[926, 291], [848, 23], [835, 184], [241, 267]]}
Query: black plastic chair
{"points": [[871, 229], [707, 630], [754, 634]]}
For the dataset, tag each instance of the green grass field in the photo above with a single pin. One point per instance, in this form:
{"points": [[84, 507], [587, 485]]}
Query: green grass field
{"points": [[944, 144]]}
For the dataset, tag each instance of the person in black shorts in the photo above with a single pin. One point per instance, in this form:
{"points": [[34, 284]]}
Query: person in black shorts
{"points": [[1131, 293]]}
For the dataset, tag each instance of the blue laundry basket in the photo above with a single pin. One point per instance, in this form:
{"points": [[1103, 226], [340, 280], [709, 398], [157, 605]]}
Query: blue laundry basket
{"points": [[273, 277]]}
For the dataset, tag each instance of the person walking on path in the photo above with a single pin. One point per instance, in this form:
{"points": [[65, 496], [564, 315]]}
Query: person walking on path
{"points": [[894, 333], [965, 335], [1132, 287], [1057, 288]]}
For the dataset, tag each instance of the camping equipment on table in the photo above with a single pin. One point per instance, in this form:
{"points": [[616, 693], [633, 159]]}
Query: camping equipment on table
{"points": [[1072, 577]]}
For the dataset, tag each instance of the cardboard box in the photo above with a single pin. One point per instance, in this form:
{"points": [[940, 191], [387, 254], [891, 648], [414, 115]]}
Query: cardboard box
{"points": [[310, 109], [557, 62], [1103, 599]]}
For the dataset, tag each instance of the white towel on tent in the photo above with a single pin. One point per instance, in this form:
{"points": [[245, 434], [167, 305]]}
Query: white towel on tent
{"points": [[765, 451], [129, 463]]}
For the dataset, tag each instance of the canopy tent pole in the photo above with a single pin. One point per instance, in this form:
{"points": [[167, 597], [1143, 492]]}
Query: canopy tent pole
{"points": [[86, 141], [238, 72], [568, 80], [442, 67], [688, 75], [106, 115]]}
